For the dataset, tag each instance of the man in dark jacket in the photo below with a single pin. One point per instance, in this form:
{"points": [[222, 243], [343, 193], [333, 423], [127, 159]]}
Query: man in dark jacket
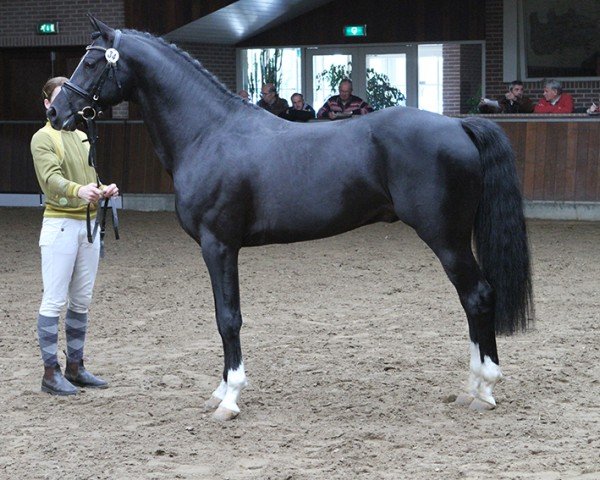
{"points": [[300, 111], [270, 100], [512, 101]]}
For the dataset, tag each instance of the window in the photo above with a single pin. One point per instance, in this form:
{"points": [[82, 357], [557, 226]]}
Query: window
{"points": [[414, 70], [281, 66], [431, 78]]}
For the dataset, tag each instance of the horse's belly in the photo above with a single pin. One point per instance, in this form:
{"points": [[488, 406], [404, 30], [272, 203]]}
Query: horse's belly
{"points": [[300, 226]]}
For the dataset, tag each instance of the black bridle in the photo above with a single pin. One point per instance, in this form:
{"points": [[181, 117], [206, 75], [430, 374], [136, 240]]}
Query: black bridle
{"points": [[89, 113], [111, 54]]}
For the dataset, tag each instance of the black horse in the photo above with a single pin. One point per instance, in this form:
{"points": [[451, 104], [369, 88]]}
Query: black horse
{"points": [[244, 177]]}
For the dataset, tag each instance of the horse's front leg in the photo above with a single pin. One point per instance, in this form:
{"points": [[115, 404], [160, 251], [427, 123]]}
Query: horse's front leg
{"points": [[222, 263]]}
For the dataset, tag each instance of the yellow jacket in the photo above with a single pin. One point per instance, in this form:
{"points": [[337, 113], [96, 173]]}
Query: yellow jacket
{"points": [[61, 165]]}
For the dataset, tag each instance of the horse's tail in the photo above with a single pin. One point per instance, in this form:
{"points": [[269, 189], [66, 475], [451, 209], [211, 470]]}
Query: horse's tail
{"points": [[500, 232]]}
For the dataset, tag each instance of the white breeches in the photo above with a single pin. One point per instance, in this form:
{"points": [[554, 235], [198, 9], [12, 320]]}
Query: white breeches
{"points": [[69, 265]]}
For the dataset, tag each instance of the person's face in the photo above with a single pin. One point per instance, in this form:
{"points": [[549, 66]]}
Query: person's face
{"points": [[345, 91], [47, 102], [266, 95], [297, 102], [517, 90], [550, 94]]}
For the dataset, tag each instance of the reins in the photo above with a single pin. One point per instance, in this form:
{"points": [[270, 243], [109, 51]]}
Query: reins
{"points": [[89, 114], [108, 202]]}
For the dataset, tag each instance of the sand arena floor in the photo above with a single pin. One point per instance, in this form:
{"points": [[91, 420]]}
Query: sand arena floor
{"points": [[354, 347]]}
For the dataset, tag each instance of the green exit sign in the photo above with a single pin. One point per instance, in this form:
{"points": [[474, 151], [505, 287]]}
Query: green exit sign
{"points": [[355, 31], [47, 28]]}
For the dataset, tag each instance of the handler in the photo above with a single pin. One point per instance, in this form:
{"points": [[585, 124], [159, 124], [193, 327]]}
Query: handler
{"points": [[69, 261]]}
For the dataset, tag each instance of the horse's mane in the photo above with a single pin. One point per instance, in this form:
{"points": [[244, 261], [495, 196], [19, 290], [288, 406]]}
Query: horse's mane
{"points": [[187, 57]]}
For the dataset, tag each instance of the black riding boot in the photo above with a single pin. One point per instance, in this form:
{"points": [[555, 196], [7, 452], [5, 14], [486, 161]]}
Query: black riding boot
{"points": [[78, 375], [54, 383]]}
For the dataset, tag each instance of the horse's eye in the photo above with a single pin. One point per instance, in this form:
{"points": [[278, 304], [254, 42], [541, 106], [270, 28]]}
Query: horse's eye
{"points": [[90, 64]]}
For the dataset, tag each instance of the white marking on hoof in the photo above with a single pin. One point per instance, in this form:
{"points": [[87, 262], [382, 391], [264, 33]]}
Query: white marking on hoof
{"points": [[236, 382], [464, 399], [481, 406], [221, 390], [212, 404], [483, 377], [490, 374], [224, 414]]}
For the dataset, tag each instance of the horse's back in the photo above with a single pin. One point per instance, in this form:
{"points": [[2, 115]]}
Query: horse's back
{"points": [[284, 182]]}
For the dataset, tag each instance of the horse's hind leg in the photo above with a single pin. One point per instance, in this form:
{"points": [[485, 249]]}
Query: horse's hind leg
{"points": [[222, 264], [477, 299]]}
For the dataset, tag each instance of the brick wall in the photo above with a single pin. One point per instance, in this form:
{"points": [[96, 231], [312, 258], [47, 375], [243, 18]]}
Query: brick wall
{"points": [[451, 71], [19, 19], [220, 60], [462, 77], [470, 76], [583, 92]]}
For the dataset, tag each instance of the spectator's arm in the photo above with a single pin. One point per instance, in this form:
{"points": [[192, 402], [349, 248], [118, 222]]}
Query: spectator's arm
{"points": [[526, 106], [304, 115], [483, 108], [363, 109], [324, 111]]}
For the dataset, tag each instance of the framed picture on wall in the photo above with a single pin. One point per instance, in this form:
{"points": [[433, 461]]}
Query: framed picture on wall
{"points": [[560, 38]]}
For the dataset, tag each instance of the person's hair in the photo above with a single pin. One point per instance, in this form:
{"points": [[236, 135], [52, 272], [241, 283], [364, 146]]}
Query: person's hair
{"points": [[51, 85], [271, 87], [514, 83], [554, 85], [296, 95], [347, 80]]}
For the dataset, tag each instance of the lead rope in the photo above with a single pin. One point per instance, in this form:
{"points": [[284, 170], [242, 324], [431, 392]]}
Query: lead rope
{"points": [[92, 137]]}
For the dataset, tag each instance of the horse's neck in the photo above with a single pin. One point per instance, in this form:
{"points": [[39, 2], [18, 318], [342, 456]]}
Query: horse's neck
{"points": [[180, 103]]}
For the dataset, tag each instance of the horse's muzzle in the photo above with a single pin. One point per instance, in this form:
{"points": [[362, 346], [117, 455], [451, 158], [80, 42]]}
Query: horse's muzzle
{"points": [[51, 114], [67, 124]]}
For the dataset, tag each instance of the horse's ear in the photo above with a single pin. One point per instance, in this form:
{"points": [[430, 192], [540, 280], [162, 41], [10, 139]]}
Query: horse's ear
{"points": [[101, 27]]}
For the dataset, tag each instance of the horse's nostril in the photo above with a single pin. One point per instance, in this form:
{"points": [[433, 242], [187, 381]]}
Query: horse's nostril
{"points": [[51, 113]]}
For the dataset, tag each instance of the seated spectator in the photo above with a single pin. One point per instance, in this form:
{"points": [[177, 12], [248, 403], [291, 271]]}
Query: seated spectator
{"points": [[344, 104], [554, 100], [270, 100], [300, 111], [512, 101], [244, 94]]}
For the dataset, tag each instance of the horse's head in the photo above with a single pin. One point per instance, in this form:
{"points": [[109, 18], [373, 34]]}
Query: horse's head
{"points": [[101, 79]]}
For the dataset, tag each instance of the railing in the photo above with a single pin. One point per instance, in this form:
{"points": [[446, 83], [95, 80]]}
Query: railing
{"points": [[558, 157]]}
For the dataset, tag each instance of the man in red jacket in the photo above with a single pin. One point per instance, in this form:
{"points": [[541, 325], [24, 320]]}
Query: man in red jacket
{"points": [[554, 101]]}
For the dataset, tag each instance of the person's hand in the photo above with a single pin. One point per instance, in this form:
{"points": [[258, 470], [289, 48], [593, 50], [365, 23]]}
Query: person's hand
{"points": [[510, 96], [331, 115], [110, 191], [90, 193]]}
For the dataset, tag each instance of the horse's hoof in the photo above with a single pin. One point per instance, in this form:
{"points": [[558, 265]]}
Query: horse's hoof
{"points": [[481, 405], [224, 414], [212, 403], [464, 399]]}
